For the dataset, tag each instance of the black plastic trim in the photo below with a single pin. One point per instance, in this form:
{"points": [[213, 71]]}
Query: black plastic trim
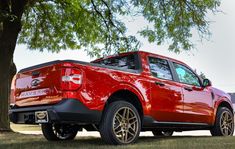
{"points": [[175, 76], [150, 123], [66, 111]]}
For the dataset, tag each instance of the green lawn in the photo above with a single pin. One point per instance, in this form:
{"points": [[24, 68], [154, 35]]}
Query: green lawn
{"points": [[21, 141]]}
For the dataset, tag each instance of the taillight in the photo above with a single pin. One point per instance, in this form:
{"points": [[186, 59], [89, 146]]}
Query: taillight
{"points": [[71, 79]]}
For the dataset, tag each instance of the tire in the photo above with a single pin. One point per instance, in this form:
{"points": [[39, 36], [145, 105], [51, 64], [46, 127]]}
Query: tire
{"points": [[57, 132], [120, 124], [224, 123], [158, 133]]}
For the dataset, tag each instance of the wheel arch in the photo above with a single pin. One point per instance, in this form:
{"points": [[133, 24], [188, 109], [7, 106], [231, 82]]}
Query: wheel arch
{"points": [[222, 103], [225, 104], [126, 95]]}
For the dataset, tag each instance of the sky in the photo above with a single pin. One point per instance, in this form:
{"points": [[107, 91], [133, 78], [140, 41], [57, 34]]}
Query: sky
{"points": [[214, 57]]}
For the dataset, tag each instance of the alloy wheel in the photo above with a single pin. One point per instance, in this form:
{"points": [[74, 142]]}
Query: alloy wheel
{"points": [[226, 124], [125, 125], [62, 131]]}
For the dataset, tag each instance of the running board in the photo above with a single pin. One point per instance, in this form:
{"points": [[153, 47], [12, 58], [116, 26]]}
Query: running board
{"points": [[149, 122]]}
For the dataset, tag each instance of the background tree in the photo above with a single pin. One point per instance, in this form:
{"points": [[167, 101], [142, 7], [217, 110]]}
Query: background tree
{"points": [[94, 25]]}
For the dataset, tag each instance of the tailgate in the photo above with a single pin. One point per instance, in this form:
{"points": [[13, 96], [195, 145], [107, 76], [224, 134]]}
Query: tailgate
{"points": [[38, 85]]}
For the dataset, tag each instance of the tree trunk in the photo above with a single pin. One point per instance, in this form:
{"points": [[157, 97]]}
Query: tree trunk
{"points": [[4, 96], [7, 71], [9, 30]]}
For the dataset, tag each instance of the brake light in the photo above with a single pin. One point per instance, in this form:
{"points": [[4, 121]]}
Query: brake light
{"points": [[71, 79]]}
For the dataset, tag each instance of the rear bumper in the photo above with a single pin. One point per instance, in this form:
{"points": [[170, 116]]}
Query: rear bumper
{"points": [[66, 111]]}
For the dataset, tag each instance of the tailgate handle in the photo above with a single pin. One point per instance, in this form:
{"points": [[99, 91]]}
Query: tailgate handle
{"points": [[35, 73]]}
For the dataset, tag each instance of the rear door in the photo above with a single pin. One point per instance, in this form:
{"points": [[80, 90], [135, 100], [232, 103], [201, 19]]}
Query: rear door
{"points": [[166, 94], [197, 99]]}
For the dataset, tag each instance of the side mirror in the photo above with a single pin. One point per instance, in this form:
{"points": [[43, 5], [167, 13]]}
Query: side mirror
{"points": [[206, 82]]}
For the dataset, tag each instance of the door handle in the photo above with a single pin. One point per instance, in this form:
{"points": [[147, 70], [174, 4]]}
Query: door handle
{"points": [[160, 83], [188, 89]]}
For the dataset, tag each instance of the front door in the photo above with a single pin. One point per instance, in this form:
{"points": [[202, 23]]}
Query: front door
{"points": [[197, 99]]}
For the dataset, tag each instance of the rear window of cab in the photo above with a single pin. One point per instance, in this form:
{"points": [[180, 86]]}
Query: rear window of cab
{"points": [[125, 62]]}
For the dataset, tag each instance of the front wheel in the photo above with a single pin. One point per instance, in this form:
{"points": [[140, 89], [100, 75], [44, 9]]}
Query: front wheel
{"points": [[55, 132], [120, 124], [224, 123]]}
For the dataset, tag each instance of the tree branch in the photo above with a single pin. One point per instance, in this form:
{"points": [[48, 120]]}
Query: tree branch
{"points": [[100, 14]]}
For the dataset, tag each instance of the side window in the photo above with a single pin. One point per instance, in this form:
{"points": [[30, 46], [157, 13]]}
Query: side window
{"points": [[160, 68], [125, 62], [186, 75]]}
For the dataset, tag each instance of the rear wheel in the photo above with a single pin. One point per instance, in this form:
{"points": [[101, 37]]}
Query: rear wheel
{"points": [[121, 123], [54, 132], [224, 123], [159, 133]]}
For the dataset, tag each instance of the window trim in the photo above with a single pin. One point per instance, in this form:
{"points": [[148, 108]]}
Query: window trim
{"points": [[172, 74], [178, 80]]}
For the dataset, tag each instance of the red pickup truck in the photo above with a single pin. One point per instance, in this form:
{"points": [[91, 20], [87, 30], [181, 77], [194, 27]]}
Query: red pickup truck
{"points": [[119, 96]]}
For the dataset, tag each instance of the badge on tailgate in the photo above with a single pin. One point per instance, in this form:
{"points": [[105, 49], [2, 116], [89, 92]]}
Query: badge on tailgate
{"points": [[41, 117], [34, 93]]}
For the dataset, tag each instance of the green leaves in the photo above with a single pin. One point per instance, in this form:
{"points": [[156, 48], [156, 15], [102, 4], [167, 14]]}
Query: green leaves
{"points": [[173, 21], [95, 25]]}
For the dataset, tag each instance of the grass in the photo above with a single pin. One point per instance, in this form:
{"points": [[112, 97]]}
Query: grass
{"points": [[21, 141], [18, 141]]}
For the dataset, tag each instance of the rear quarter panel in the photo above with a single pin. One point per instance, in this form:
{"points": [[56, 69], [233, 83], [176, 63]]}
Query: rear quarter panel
{"points": [[100, 83]]}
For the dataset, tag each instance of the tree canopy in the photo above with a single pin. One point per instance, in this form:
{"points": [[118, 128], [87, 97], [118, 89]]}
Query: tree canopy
{"points": [[95, 25]]}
